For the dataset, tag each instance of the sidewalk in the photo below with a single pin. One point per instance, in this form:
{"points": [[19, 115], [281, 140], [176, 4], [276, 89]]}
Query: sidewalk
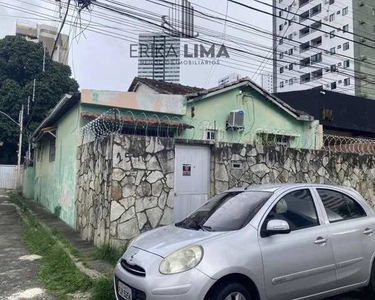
{"points": [[84, 247], [18, 269]]}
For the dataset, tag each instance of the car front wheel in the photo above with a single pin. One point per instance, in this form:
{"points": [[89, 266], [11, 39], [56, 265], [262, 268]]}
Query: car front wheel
{"points": [[232, 291]]}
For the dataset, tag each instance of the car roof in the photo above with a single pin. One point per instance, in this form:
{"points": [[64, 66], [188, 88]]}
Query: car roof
{"points": [[272, 188]]}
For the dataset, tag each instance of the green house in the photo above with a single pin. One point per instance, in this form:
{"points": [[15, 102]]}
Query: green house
{"points": [[52, 179], [242, 112]]}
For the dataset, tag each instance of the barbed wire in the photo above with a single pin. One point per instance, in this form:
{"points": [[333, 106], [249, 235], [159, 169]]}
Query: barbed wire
{"points": [[335, 143], [129, 122]]}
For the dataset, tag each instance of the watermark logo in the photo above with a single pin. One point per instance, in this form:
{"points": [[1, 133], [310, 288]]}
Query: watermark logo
{"points": [[166, 48]]}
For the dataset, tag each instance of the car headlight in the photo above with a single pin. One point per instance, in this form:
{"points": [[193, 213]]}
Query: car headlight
{"points": [[181, 260]]}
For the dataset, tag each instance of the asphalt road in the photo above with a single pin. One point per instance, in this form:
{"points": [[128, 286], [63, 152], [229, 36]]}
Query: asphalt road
{"points": [[18, 269]]}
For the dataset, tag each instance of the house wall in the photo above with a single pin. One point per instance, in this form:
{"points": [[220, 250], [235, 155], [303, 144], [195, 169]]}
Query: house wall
{"points": [[126, 183], [260, 115], [125, 186], [166, 104], [55, 182], [28, 182]]}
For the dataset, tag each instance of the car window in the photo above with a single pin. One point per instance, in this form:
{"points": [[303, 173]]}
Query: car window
{"points": [[226, 212], [297, 208], [340, 207]]}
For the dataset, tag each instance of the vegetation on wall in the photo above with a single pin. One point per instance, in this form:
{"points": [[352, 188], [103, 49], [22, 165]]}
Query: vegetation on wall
{"points": [[21, 62]]}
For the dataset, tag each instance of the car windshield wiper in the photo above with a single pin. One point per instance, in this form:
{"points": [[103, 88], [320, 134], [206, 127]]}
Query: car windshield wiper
{"points": [[205, 228], [193, 225]]}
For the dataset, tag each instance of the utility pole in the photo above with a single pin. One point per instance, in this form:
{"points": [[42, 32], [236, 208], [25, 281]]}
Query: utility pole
{"points": [[20, 149], [44, 60]]}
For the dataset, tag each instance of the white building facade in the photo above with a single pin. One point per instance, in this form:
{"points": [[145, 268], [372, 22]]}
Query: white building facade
{"points": [[315, 49], [159, 57], [46, 35], [229, 79], [267, 81]]}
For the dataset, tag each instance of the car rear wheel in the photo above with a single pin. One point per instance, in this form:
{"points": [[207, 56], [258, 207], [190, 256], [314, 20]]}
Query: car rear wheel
{"points": [[371, 286], [231, 291]]}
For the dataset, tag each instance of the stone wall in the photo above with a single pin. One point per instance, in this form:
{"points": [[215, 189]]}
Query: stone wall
{"points": [[142, 186], [92, 192], [125, 187], [238, 165], [126, 183]]}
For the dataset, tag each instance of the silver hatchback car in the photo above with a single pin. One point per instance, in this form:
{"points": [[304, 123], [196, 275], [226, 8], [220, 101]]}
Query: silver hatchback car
{"points": [[274, 242]]}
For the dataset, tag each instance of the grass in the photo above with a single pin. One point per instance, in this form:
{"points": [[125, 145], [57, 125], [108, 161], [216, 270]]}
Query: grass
{"points": [[57, 270], [103, 290], [108, 253]]}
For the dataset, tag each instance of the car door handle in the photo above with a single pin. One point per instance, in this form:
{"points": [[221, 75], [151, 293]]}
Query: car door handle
{"points": [[368, 231], [320, 241]]}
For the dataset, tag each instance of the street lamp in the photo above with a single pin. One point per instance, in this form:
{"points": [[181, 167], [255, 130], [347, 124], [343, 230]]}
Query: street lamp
{"points": [[20, 125]]}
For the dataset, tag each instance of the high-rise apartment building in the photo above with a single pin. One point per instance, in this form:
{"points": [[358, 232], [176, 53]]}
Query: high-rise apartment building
{"points": [[159, 57], [46, 35], [326, 44], [267, 81]]}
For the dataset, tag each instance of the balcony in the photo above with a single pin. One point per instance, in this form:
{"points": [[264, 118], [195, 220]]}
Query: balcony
{"points": [[303, 2], [315, 10], [315, 26], [318, 74], [316, 42], [317, 58], [304, 16], [305, 78], [304, 47], [304, 31], [304, 62]]}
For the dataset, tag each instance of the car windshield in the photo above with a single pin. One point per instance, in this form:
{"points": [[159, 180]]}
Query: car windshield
{"points": [[226, 212]]}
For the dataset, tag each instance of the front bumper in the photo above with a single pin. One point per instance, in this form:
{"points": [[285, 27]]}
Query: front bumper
{"points": [[190, 285]]}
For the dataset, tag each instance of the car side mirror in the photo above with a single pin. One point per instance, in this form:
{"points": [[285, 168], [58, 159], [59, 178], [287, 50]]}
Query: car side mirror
{"points": [[277, 227]]}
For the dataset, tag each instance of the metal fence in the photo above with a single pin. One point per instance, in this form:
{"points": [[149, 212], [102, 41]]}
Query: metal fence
{"points": [[8, 176]]}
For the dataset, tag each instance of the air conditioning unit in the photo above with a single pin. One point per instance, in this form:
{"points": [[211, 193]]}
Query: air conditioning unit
{"points": [[363, 40], [363, 57], [236, 120], [340, 81], [295, 33], [325, 18], [326, 35], [326, 2], [361, 22]]}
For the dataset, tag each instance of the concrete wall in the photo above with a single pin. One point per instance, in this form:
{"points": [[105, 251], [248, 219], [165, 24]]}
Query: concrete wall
{"points": [[28, 183], [260, 115], [269, 165], [124, 187], [166, 104], [55, 181]]}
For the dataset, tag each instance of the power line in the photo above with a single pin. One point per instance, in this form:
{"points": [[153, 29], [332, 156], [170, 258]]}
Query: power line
{"points": [[235, 49], [317, 29], [61, 28]]}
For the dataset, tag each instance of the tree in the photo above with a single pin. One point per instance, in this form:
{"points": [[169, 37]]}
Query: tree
{"points": [[21, 62]]}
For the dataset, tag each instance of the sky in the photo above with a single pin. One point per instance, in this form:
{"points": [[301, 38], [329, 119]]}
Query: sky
{"points": [[103, 62]]}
